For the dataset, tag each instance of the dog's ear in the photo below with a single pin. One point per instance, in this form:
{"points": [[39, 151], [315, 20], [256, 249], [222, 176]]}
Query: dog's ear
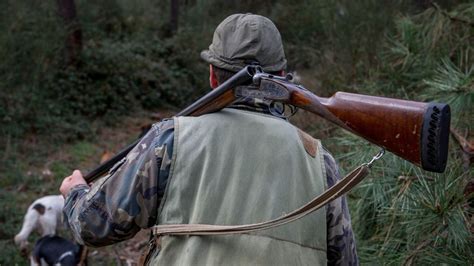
{"points": [[40, 208]]}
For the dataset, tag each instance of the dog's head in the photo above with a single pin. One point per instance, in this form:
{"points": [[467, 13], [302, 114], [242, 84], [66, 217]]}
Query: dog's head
{"points": [[24, 246], [54, 249]]}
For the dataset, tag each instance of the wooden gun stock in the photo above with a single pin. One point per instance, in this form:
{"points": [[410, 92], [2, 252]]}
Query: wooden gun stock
{"points": [[415, 131]]}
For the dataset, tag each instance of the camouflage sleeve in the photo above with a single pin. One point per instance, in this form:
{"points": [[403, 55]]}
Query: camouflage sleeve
{"points": [[341, 247], [127, 198]]}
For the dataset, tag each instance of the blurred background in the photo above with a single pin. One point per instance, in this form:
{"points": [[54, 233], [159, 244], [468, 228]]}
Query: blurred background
{"points": [[80, 79]]}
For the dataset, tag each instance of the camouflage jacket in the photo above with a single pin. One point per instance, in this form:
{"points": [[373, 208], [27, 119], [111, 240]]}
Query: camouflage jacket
{"points": [[127, 199]]}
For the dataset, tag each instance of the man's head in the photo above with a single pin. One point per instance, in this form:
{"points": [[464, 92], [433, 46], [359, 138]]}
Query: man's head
{"points": [[243, 39]]}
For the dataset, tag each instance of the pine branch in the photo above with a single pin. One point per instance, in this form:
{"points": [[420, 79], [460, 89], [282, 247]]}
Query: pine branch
{"points": [[467, 148], [403, 189], [451, 17], [411, 258], [410, 178]]}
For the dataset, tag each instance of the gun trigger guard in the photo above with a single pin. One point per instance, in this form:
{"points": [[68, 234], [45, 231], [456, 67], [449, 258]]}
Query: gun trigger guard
{"points": [[272, 108]]}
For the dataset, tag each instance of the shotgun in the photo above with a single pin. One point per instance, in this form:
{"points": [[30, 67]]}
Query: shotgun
{"points": [[417, 132]]}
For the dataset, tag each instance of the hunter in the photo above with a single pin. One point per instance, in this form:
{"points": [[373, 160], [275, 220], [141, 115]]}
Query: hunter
{"points": [[241, 165]]}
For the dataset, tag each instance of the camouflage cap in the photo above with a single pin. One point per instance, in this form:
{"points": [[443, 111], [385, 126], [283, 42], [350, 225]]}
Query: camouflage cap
{"points": [[242, 39]]}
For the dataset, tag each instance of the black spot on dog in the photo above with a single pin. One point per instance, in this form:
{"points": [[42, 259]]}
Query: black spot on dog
{"points": [[51, 249], [39, 208]]}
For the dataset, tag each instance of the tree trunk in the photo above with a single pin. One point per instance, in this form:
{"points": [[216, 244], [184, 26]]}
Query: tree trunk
{"points": [[174, 16], [73, 45]]}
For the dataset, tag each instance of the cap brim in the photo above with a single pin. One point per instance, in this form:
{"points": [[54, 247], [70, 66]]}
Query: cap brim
{"points": [[206, 56], [210, 58]]}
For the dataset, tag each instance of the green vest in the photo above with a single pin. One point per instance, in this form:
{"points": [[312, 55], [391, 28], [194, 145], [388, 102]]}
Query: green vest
{"points": [[237, 167]]}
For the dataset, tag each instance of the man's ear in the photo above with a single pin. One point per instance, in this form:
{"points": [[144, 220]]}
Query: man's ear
{"points": [[212, 77]]}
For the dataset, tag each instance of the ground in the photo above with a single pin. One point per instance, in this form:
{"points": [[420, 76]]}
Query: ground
{"points": [[125, 253]]}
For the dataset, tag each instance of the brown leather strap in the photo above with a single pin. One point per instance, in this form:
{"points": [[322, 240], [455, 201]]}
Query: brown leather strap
{"points": [[84, 254], [341, 187], [144, 258]]}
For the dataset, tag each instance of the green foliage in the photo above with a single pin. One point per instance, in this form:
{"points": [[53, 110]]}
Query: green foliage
{"points": [[115, 78], [27, 55], [121, 69], [131, 61], [455, 86], [423, 43], [404, 215]]}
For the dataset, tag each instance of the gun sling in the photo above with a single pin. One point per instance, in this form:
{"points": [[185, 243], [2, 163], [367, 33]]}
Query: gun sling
{"points": [[341, 187]]}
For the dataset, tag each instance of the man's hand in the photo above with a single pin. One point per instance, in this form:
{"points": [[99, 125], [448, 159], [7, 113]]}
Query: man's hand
{"points": [[71, 181]]}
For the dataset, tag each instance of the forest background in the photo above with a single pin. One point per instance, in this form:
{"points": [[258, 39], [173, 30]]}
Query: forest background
{"points": [[78, 78]]}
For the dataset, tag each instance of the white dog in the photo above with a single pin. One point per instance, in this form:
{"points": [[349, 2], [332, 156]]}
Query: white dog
{"points": [[43, 215]]}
